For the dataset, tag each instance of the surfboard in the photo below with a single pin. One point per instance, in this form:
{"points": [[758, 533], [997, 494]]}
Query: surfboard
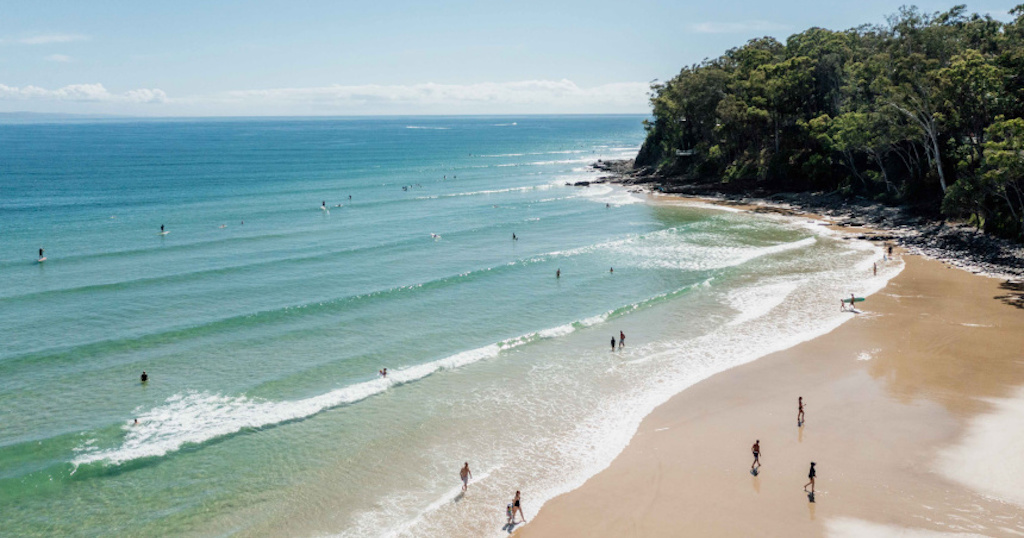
{"points": [[41, 260], [855, 299]]}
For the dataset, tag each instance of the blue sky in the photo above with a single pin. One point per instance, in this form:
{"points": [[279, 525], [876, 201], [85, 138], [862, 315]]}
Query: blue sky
{"points": [[380, 57]]}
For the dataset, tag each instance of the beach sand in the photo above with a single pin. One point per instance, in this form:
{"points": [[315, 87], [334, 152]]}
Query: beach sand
{"points": [[913, 416]]}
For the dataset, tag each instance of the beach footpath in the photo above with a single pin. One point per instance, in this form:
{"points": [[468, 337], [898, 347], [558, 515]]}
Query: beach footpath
{"points": [[914, 415]]}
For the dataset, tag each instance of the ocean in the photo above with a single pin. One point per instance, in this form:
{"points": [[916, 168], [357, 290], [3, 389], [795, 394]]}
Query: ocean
{"points": [[302, 256]]}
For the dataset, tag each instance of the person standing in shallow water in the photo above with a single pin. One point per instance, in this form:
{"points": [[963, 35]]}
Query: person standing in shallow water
{"points": [[558, 273], [811, 474], [144, 377], [613, 343], [516, 507], [465, 474], [622, 339]]}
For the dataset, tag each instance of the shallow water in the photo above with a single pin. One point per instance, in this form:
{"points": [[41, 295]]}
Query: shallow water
{"points": [[264, 413]]}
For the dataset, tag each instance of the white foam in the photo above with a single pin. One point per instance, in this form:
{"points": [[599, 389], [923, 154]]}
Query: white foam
{"points": [[753, 303], [492, 191], [197, 417], [848, 527], [448, 497], [990, 456], [608, 194]]}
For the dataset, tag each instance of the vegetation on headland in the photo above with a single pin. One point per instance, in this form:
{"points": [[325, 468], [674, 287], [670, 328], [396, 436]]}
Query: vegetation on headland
{"points": [[927, 109]]}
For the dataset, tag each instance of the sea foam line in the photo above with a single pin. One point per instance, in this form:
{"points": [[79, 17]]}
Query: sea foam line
{"points": [[194, 418]]}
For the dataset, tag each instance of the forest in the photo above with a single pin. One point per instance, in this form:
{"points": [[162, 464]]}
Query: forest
{"points": [[926, 110]]}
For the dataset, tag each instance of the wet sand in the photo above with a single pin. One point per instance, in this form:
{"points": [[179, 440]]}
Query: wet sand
{"points": [[898, 402]]}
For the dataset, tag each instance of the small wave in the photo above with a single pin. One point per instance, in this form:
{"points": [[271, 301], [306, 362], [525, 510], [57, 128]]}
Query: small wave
{"points": [[753, 303], [493, 191], [194, 418], [504, 124], [427, 128]]}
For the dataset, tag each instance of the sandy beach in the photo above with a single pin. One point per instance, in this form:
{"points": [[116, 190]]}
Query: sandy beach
{"points": [[913, 416]]}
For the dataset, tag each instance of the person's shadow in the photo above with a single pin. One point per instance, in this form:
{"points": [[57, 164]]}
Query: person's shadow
{"points": [[509, 527]]}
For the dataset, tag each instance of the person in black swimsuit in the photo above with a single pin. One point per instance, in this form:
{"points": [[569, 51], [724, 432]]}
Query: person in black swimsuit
{"points": [[517, 508], [756, 449], [811, 475], [144, 377]]}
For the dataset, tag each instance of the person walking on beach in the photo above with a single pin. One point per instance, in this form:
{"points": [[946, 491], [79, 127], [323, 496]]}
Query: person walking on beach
{"points": [[622, 339], [800, 411], [516, 507], [465, 475], [811, 474], [756, 449]]}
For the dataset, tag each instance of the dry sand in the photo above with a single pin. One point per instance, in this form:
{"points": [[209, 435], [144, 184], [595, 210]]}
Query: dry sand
{"points": [[891, 397]]}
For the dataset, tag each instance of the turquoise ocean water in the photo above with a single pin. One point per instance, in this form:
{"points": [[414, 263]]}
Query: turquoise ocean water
{"points": [[263, 318]]}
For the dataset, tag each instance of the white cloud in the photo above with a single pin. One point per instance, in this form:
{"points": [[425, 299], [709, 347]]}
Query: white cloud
{"points": [[737, 27], [527, 92], [62, 58], [519, 97], [80, 92], [47, 39]]}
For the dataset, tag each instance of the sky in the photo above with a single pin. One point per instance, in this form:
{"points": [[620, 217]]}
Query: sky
{"points": [[381, 57]]}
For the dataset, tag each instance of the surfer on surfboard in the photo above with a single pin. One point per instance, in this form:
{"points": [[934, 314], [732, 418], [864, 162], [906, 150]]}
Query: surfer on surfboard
{"points": [[41, 257]]}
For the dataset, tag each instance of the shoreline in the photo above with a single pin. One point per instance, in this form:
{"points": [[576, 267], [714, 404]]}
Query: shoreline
{"points": [[959, 245], [698, 467]]}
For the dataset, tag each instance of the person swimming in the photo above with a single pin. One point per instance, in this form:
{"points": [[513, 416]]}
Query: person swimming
{"points": [[144, 377], [558, 273], [383, 373]]}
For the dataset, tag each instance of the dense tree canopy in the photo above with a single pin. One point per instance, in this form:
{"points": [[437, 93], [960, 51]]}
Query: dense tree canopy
{"points": [[927, 109]]}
